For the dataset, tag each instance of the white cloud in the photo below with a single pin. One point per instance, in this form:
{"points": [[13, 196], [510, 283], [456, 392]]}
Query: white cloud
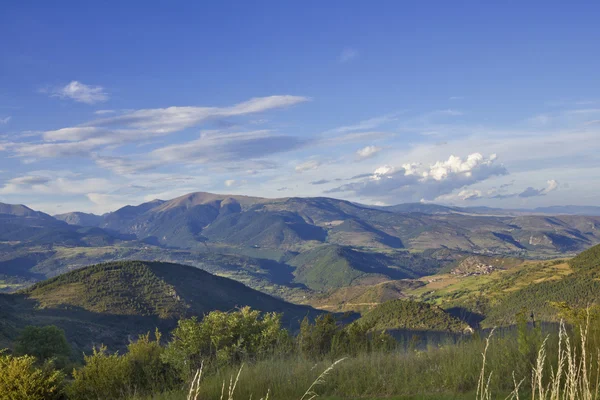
{"points": [[104, 112], [221, 147], [73, 134], [136, 126], [552, 185], [412, 182], [81, 93], [348, 54], [5, 120], [46, 185], [29, 180], [308, 165], [173, 119], [367, 152], [366, 124], [234, 183]]}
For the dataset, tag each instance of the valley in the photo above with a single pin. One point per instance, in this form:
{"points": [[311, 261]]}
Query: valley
{"points": [[329, 254]]}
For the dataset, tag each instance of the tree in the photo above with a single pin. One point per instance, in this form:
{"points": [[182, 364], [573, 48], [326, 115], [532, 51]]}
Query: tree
{"points": [[224, 338], [44, 343]]}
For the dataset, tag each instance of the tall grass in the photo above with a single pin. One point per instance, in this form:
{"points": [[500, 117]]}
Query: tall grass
{"points": [[564, 366]]}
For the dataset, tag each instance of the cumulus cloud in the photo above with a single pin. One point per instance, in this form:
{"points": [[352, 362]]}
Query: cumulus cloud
{"points": [[414, 182], [367, 152], [348, 54], [308, 165], [81, 93]]}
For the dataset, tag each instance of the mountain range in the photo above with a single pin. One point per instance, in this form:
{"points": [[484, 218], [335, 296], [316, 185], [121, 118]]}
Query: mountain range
{"points": [[287, 247], [164, 260]]}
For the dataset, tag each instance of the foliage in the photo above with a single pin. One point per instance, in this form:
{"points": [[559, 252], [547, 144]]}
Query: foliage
{"points": [[44, 343], [104, 376], [223, 338], [22, 379], [113, 376], [327, 338], [588, 259], [410, 315]]}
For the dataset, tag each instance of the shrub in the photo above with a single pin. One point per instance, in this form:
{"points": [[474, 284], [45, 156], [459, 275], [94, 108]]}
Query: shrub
{"points": [[113, 376], [104, 376], [224, 338], [22, 379], [149, 373]]}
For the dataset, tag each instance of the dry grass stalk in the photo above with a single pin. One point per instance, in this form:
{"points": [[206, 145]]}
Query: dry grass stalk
{"points": [[195, 385], [483, 386], [310, 393]]}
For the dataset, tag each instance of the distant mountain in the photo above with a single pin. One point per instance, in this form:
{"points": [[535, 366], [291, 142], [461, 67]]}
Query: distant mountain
{"points": [[296, 224], [334, 266], [108, 303], [286, 246], [424, 208], [429, 208], [19, 210], [80, 219], [570, 210]]}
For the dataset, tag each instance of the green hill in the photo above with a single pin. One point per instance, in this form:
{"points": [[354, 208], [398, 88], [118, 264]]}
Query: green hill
{"points": [[332, 266], [108, 303], [411, 315]]}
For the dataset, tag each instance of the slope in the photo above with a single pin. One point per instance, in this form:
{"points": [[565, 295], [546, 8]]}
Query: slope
{"points": [[333, 266], [108, 303], [411, 315]]}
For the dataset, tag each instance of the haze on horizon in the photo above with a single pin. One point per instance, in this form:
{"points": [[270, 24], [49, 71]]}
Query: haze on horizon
{"points": [[106, 106]]}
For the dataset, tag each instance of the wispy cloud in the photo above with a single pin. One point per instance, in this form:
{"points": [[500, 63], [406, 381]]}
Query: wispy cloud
{"points": [[216, 146], [80, 92], [104, 112], [5, 120], [308, 165], [367, 124], [348, 54], [139, 125]]}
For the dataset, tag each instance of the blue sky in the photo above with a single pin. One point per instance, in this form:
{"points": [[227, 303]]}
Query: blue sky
{"points": [[383, 102]]}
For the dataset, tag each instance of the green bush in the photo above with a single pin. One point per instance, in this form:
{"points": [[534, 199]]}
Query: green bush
{"points": [[22, 379], [104, 376], [149, 373], [44, 343], [113, 376], [224, 338]]}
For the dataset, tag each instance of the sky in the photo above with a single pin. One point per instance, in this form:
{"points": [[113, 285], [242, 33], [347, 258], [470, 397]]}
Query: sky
{"points": [[104, 104]]}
